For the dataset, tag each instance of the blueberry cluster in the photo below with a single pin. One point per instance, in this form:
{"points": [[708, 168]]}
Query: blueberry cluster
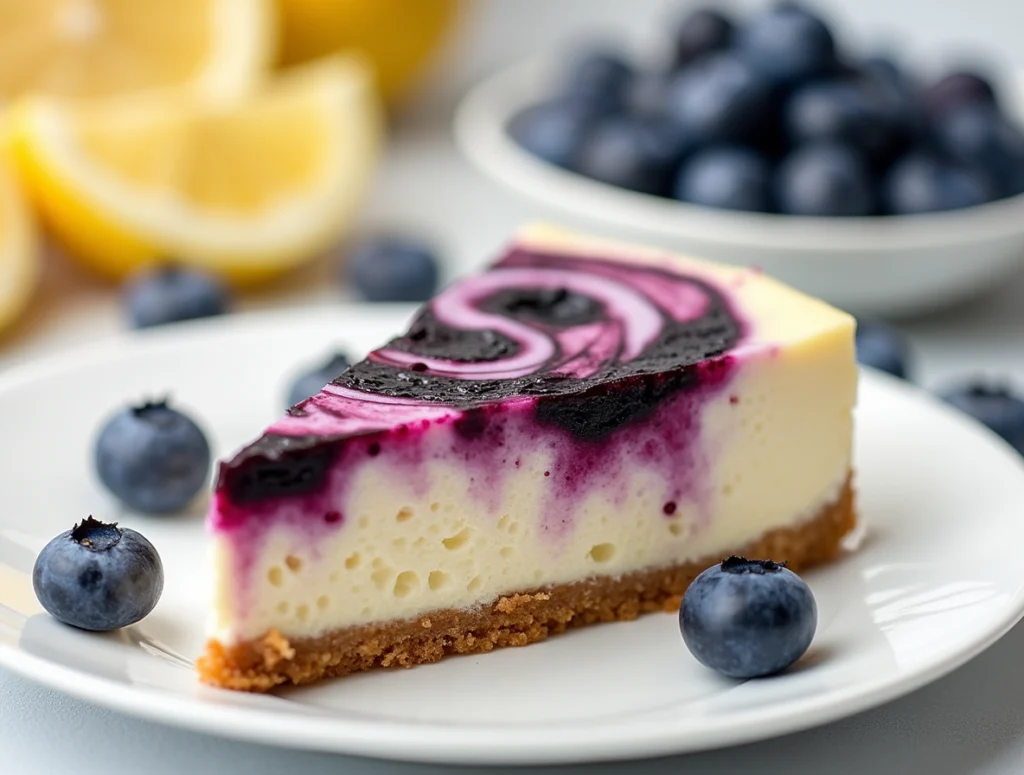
{"points": [[767, 114]]}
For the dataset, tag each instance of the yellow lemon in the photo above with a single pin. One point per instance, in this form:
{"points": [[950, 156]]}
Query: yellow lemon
{"points": [[247, 190], [89, 48], [397, 36], [19, 256]]}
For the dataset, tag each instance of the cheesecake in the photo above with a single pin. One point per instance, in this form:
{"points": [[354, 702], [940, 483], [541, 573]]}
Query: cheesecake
{"points": [[567, 438]]}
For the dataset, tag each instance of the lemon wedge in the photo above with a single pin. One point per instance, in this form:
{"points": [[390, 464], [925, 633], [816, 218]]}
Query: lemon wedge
{"points": [[91, 48], [248, 189], [19, 256]]}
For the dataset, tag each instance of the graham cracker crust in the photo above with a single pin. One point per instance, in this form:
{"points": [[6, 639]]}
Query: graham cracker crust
{"points": [[512, 620]]}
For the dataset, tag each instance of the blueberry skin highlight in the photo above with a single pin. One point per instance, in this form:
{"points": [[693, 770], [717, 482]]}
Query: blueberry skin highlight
{"points": [[748, 618], [152, 458], [98, 577]]}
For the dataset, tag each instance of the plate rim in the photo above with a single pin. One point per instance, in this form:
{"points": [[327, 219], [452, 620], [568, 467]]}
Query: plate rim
{"points": [[449, 743]]}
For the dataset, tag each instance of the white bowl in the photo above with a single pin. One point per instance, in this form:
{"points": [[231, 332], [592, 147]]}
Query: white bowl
{"points": [[873, 266]]}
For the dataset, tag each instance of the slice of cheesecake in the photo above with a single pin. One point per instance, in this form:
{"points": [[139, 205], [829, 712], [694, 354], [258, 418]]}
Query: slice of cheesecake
{"points": [[565, 439]]}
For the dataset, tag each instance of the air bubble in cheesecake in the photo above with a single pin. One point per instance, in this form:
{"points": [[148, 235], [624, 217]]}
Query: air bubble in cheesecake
{"points": [[458, 540], [602, 552], [437, 580], [406, 583]]}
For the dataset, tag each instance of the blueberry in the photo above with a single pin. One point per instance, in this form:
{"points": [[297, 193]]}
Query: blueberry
{"points": [[859, 114], [921, 182], [394, 269], [980, 136], [310, 382], [702, 31], [719, 99], [883, 67], [638, 154], [98, 576], [552, 131], [167, 294], [647, 93], [883, 347], [995, 406], [726, 177], [596, 79], [826, 179], [787, 43], [957, 90], [748, 618], [153, 458]]}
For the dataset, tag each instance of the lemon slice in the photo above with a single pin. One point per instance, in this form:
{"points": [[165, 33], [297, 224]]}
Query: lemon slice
{"points": [[247, 190], [19, 257], [90, 48]]}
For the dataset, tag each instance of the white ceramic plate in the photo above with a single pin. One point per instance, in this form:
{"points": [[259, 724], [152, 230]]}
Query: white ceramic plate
{"points": [[870, 266], [937, 578]]}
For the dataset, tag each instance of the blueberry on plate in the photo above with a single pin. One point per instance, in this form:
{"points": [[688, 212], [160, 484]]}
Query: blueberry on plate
{"points": [[703, 30], [168, 293], [957, 90], [980, 136], [596, 79], [394, 269], [748, 618], [882, 347], [310, 382], [98, 576], [993, 405], [152, 458], [726, 177], [921, 182], [552, 131], [787, 43], [719, 99], [826, 179], [638, 154]]}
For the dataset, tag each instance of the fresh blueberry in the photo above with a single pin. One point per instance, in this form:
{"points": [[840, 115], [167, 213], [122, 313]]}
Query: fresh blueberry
{"points": [[957, 90], [883, 347], [826, 179], [596, 79], [787, 43], [884, 67], [858, 114], [921, 182], [310, 382], [552, 131], [748, 618], [98, 576], [394, 269], [719, 99], [153, 458], [980, 136], [638, 154], [995, 406], [726, 177], [703, 30], [646, 94], [166, 294]]}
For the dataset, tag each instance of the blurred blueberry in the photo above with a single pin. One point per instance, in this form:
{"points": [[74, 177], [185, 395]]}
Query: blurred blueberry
{"points": [[921, 182], [980, 136], [787, 43], [311, 381], [167, 294], [883, 347], [394, 269], [638, 154], [883, 67], [726, 177], [957, 90], [646, 94], [98, 576], [152, 458], [596, 79], [748, 618], [552, 131], [703, 31], [719, 99], [827, 179], [993, 405]]}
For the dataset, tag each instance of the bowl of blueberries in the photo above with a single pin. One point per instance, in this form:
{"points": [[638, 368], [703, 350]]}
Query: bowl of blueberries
{"points": [[762, 141]]}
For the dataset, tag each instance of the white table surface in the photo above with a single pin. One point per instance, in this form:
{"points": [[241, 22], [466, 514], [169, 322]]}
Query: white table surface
{"points": [[969, 722]]}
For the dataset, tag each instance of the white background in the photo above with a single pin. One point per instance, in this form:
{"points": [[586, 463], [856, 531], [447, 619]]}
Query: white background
{"points": [[970, 722]]}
